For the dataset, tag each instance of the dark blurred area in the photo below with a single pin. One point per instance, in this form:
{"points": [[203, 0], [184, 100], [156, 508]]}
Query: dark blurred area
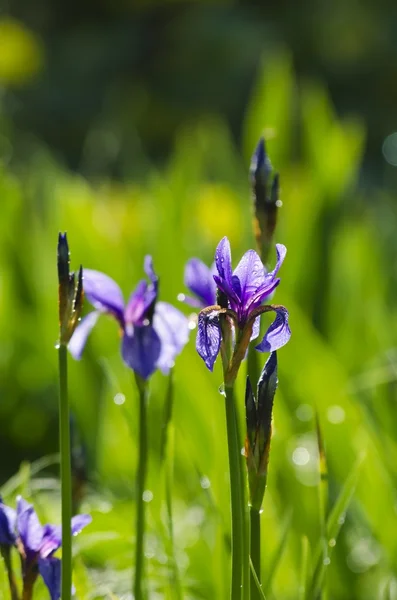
{"points": [[126, 74]]}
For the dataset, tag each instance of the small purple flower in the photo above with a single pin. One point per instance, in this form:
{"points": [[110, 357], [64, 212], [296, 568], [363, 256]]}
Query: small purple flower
{"points": [[153, 333], [199, 279], [242, 293], [37, 544], [7, 525]]}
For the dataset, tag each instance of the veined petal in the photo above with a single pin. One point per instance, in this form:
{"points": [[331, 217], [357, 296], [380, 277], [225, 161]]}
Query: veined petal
{"points": [[199, 279], [141, 350], [50, 570], [79, 338], [248, 276], [224, 279], [28, 526], [103, 293], [172, 327], [278, 333], [281, 252], [208, 340]]}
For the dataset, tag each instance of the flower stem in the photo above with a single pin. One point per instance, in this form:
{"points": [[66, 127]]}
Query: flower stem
{"points": [[6, 554], [140, 488], [255, 550], [237, 507], [66, 477]]}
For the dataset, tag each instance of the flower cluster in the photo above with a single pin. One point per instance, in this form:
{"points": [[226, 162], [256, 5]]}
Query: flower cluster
{"points": [[36, 544], [153, 332]]}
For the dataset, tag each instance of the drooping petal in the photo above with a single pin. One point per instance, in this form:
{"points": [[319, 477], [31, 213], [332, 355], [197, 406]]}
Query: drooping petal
{"points": [[50, 570], [103, 293], [79, 522], [199, 279], [141, 350], [208, 340], [278, 333], [172, 327], [28, 526], [8, 518], [81, 333], [224, 279], [52, 534], [248, 276]]}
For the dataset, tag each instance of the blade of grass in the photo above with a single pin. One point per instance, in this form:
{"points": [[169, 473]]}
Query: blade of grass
{"points": [[334, 524], [257, 582], [304, 569], [278, 554]]}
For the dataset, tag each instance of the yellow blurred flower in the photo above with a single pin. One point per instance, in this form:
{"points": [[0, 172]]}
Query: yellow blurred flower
{"points": [[218, 213], [21, 53]]}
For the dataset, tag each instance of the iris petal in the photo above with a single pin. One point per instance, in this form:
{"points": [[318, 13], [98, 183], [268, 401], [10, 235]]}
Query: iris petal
{"points": [[250, 273], [141, 350], [50, 570], [81, 333], [199, 279], [103, 293], [278, 333], [208, 340], [224, 279], [28, 526], [172, 327], [8, 518]]}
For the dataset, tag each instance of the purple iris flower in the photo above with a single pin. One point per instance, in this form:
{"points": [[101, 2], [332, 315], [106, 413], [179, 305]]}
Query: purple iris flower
{"points": [[37, 544], [242, 292], [153, 333], [199, 279], [8, 518]]}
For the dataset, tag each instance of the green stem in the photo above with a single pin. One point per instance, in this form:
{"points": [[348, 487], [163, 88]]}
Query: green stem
{"points": [[6, 554], [140, 488], [255, 549], [66, 477], [237, 508]]}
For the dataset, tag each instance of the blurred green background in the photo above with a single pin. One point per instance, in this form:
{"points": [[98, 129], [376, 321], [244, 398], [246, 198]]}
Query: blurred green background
{"points": [[130, 126]]}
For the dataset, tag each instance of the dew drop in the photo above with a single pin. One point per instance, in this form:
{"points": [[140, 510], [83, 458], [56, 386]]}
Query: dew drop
{"points": [[205, 483], [341, 520], [147, 496], [119, 399], [181, 297], [57, 346], [332, 542], [222, 390], [327, 561]]}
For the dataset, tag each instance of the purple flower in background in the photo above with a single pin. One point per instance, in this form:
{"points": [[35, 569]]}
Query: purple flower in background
{"points": [[199, 279], [37, 544], [153, 333], [7, 525], [243, 292]]}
